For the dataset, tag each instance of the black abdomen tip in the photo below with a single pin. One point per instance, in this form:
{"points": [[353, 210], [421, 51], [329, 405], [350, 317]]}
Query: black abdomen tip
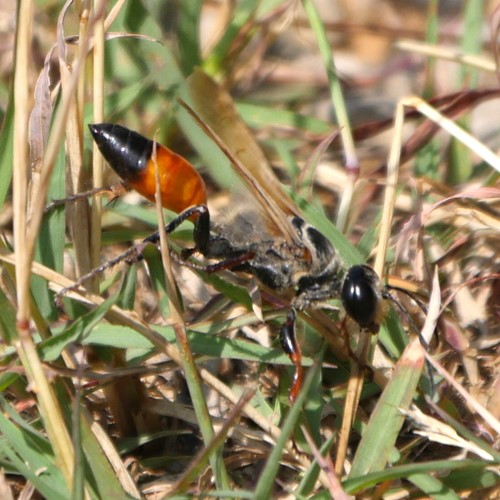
{"points": [[126, 151]]}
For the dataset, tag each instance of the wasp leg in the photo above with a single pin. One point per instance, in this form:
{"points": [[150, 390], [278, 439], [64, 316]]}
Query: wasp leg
{"points": [[114, 192], [134, 253], [229, 263], [201, 233], [292, 348]]}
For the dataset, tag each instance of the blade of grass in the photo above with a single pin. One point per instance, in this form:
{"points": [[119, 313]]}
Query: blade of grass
{"points": [[257, 116], [266, 481], [217, 442], [7, 146], [386, 420], [432, 486], [111, 476], [29, 452], [188, 34], [50, 245], [428, 157], [98, 117], [242, 13], [339, 106], [363, 482], [460, 165]]}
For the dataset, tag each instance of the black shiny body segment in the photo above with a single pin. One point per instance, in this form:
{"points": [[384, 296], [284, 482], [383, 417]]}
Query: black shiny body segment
{"points": [[361, 296], [126, 151]]}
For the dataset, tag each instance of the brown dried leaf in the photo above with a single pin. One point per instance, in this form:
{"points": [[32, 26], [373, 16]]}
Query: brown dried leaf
{"points": [[41, 115]]}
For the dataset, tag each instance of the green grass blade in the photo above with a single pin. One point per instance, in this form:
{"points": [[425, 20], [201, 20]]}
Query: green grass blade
{"points": [[6, 147], [467, 468], [29, 453], [386, 420], [432, 486], [50, 245], [188, 32], [267, 479]]}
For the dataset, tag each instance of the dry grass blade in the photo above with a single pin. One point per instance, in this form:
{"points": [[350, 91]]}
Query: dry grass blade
{"points": [[214, 107], [335, 486], [71, 71], [40, 117], [452, 105], [24, 244], [276, 215], [242, 152], [115, 460], [194, 469], [452, 128], [20, 177], [98, 110], [473, 404], [439, 432], [479, 62]]}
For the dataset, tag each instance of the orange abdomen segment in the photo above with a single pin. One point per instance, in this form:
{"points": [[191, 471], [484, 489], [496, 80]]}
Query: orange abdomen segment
{"points": [[131, 157], [181, 185]]}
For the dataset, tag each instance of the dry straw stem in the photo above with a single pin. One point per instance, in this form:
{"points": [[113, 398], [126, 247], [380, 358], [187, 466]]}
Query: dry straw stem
{"points": [[439, 432], [98, 116], [452, 128], [115, 460], [71, 71], [24, 240], [20, 158], [480, 62], [355, 383]]}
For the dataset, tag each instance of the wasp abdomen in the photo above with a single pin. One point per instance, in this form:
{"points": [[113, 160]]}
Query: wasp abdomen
{"points": [[135, 159]]}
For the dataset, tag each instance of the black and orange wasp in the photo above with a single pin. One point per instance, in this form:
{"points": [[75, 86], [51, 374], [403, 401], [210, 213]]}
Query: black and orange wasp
{"points": [[302, 262]]}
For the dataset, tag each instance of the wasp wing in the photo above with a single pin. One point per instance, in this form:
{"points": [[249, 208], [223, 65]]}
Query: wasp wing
{"points": [[213, 110]]}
